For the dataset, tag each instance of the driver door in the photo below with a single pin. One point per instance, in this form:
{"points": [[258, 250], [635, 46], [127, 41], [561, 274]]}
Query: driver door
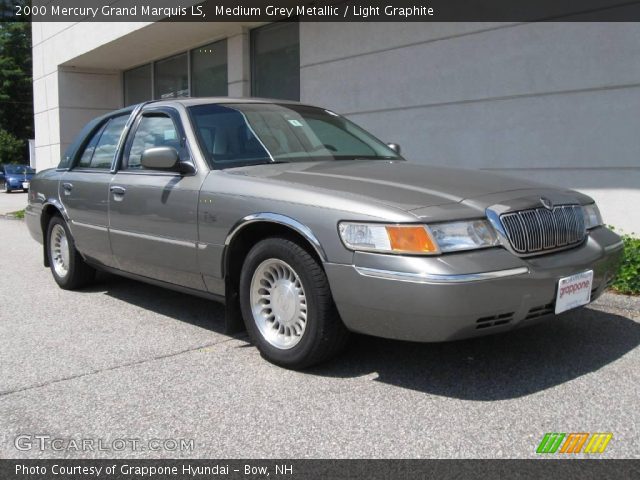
{"points": [[153, 214]]}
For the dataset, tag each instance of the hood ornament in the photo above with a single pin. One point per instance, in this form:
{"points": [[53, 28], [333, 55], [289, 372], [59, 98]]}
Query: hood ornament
{"points": [[546, 203]]}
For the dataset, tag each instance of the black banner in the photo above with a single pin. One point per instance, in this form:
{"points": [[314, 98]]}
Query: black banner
{"points": [[321, 10], [312, 469]]}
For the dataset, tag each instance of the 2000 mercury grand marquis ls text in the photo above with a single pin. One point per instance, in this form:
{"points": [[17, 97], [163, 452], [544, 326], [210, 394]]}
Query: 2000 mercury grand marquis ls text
{"points": [[309, 228]]}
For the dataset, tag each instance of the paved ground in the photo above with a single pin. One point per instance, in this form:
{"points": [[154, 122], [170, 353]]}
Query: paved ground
{"points": [[125, 360], [12, 202]]}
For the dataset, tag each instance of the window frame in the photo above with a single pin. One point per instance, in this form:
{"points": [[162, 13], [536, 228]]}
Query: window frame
{"points": [[252, 58], [153, 63], [98, 129], [184, 153], [224, 40]]}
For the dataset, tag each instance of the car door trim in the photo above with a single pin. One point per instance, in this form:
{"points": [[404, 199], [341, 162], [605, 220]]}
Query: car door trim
{"points": [[89, 225], [155, 238]]}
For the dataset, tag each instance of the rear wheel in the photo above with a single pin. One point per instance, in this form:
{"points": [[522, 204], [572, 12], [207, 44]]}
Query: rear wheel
{"points": [[287, 305], [69, 269]]}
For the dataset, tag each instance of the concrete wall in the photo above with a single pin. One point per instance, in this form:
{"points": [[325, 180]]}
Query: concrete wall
{"points": [[554, 102]]}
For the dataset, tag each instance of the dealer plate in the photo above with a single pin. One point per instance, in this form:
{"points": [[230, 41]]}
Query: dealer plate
{"points": [[574, 291]]}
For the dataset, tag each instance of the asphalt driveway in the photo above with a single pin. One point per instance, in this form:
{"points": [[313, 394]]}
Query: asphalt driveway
{"points": [[127, 360]]}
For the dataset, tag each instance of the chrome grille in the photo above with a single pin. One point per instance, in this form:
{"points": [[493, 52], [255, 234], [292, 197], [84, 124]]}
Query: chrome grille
{"points": [[540, 229]]}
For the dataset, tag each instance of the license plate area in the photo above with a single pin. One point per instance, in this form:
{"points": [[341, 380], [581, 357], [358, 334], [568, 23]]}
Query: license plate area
{"points": [[574, 291], [25, 184]]}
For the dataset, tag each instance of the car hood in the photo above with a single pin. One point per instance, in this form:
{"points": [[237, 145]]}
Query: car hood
{"points": [[399, 184]]}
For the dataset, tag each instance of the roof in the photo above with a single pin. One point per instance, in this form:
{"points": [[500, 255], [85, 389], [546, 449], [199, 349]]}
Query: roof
{"points": [[191, 101]]}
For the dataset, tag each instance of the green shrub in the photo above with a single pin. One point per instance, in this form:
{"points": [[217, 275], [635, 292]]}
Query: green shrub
{"points": [[628, 279]]}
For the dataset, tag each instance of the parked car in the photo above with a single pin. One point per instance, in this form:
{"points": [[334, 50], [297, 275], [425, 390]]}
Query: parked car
{"points": [[309, 228], [16, 177]]}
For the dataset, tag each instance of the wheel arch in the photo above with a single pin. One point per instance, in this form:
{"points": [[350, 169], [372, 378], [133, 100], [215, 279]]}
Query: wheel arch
{"points": [[243, 236], [50, 209]]}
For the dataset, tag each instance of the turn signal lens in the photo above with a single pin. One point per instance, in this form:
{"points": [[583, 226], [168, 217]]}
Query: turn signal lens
{"points": [[377, 237], [410, 239]]}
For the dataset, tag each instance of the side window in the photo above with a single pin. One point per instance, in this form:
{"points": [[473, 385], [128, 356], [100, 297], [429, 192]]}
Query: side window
{"points": [[85, 159], [152, 131], [101, 149], [108, 143]]}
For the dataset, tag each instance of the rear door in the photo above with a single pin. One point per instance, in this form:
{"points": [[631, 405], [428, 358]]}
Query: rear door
{"points": [[154, 213], [84, 191]]}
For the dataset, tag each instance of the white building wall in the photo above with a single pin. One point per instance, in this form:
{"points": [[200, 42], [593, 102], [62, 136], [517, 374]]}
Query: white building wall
{"points": [[66, 97], [554, 102]]}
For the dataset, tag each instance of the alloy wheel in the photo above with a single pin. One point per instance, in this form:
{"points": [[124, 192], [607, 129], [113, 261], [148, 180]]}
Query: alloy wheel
{"points": [[278, 303]]}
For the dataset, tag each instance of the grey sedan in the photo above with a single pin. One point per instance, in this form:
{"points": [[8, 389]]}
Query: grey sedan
{"points": [[310, 228]]}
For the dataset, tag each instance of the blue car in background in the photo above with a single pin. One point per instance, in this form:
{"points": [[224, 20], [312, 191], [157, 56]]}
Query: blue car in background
{"points": [[16, 177]]}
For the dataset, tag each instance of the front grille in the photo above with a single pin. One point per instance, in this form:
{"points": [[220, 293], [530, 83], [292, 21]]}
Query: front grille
{"points": [[494, 320], [540, 229], [540, 311]]}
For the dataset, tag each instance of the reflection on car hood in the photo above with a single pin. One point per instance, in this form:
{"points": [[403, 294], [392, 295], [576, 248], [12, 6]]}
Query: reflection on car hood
{"points": [[396, 183]]}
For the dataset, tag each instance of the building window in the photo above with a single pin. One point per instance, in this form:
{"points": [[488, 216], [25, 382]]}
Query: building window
{"points": [[137, 85], [209, 70], [275, 61], [171, 79]]}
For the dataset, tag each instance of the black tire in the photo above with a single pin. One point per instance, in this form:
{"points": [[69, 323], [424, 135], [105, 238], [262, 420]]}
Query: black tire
{"points": [[79, 274], [6, 188], [324, 335]]}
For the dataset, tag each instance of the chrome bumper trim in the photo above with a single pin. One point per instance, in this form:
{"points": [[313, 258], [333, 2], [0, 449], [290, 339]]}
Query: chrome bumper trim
{"points": [[439, 278]]}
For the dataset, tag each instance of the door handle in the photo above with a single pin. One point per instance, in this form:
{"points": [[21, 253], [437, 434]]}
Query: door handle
{"points": [[117, 190], [67, 187]]}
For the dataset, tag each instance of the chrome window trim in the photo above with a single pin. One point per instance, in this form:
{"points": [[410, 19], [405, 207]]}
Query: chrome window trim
{"points": [[423, 277]]}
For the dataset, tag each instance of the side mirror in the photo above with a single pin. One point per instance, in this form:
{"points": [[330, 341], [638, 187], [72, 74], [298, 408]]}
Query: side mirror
{"points": [[395, 147], [160, 158]]}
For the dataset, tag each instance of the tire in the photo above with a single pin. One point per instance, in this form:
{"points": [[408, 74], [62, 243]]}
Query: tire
{"points": [[67, 266], [6, 188], [284, 289]]}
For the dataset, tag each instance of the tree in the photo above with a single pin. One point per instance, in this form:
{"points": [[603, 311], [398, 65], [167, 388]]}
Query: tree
{"points": [[16, 91]]}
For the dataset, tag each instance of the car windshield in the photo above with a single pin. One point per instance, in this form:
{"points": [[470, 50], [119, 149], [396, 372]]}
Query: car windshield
{"points": [[18, 169], [234, 135]]}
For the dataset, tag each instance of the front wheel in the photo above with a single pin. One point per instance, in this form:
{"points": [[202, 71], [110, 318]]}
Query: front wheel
{"points": [[287, 305], [67, 265], [6, 188]]}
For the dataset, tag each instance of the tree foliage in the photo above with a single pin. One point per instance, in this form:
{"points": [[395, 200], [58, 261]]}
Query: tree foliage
{"points": [[16, 91]]}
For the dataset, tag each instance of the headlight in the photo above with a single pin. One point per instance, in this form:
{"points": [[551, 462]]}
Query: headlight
{"points": [[592, 217], [464, 235], [418, 239], [387, 238]]}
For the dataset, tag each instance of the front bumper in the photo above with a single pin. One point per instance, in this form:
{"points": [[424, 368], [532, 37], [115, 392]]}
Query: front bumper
{"points": [[431, 299]]}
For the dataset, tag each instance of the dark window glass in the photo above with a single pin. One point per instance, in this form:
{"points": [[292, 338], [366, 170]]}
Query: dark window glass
{"points": [[152, 131], [226, 136], [101, 149], [170, 77], [209, 70], [242, 134], [137, 85], [106, 148], [275, 60], [85, 159]]}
